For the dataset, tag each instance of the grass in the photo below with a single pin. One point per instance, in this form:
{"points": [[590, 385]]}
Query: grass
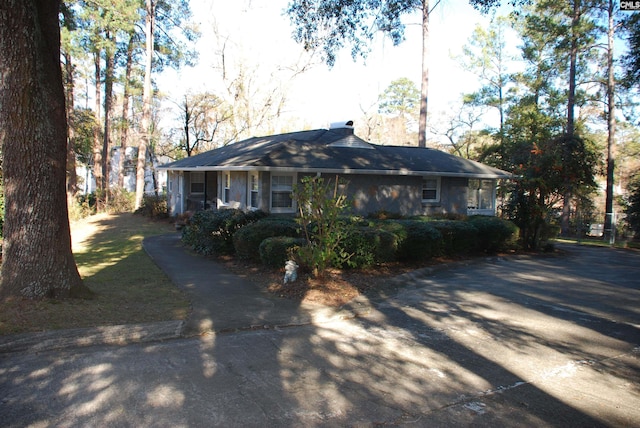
{"points": [[128, 286], [598, 242]]}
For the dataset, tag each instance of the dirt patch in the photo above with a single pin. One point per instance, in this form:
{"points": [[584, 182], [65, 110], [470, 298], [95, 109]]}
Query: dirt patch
{"points": [[336, 288]]}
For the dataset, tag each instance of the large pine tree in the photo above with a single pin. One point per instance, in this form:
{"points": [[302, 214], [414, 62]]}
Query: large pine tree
{"points": [[37, 259]]}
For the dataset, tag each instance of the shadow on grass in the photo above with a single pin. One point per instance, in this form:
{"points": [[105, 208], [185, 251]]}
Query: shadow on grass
{"points": [[128, 286]]}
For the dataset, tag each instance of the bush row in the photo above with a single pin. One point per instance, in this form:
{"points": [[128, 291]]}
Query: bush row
{"points": [[211, 232], [272, 240], [423, 238], [247, 240]]}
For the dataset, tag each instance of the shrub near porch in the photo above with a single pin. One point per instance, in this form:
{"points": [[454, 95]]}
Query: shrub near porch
{"points": [[370, 243]]}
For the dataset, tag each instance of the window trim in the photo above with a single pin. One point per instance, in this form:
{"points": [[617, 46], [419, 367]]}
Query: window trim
{"points": [[225, 188], [437, 189], [250, 190], [273, 209], [192, 176], [477, 192]]}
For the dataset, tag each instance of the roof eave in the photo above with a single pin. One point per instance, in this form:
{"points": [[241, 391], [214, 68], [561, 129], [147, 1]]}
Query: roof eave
{"points": [[350, 171]]}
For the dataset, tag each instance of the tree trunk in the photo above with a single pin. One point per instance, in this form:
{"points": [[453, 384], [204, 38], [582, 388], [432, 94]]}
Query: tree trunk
{"points": [[609, 224], [187, 124], [37, 259], [424, 87], [72, 177], [97, 142], [571, 127], [69, 86], [147, 97], [108, 113], [124, 136]]}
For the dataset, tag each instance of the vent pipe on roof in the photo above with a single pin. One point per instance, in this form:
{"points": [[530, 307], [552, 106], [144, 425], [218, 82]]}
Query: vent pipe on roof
{"points": [[342, 124]]}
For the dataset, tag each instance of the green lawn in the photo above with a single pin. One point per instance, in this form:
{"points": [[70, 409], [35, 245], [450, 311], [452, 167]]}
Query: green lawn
{"points": [[128, 286], [598, 242]]}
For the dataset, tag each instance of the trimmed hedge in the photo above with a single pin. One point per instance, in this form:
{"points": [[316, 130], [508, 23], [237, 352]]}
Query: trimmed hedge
{"points": [[458, 237], [247, 240], [369, 246], [417, 240], [274, 252], [254, 236], [494, 234], [211, 232]]}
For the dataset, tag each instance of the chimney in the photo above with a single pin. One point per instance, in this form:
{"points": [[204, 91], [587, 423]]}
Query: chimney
{"points": [[344, 127], [348, 124]]}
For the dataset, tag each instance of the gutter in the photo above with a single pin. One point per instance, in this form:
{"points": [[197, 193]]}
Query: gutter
{"points": [[349, 171]]}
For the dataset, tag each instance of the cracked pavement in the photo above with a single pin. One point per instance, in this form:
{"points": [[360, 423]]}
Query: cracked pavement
{"points": [[520, 341]]}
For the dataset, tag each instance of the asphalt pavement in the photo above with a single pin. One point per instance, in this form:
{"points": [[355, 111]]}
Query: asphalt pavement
{"points": [[517, 341]]}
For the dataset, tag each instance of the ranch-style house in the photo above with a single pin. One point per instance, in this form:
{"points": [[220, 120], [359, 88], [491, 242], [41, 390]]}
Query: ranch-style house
{"points": [[259, 173]]}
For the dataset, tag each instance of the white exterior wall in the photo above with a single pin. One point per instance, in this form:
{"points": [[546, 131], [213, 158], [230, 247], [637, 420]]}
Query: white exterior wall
{"points": [[87, 182], [175, 192]]}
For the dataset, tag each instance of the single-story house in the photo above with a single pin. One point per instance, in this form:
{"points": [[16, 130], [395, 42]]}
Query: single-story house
{"points": [[259, 173]]}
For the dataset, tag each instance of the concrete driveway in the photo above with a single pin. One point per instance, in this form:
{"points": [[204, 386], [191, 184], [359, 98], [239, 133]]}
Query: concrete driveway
{"points": [[526, 341]]}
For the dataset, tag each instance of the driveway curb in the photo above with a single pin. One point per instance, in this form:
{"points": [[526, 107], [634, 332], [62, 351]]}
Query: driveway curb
{"points": [[80, 337]]}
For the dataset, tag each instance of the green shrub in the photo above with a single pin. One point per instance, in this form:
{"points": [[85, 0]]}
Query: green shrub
{"points": [[384, 215], [321, 207], [154, 207], [368, 246], [198, 232], [358, 251], [494, 234], [548, 232], [458, 237], [119, 200], [211, 232], [417, 240], [247, 240], [438, 217], [84, 206], [275, 251]]}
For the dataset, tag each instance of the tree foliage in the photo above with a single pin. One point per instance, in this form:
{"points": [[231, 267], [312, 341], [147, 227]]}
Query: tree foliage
{"points": [[400, 98], [83, 123], [396, 118], [486, 56], [321, 206], [110, 37], [329, 25], [632, 206], [552, 165], [631, 60], [541, 170], [201, 115]]}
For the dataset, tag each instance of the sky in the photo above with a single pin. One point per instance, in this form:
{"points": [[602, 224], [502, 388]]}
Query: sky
{"points": [[258, 34]]}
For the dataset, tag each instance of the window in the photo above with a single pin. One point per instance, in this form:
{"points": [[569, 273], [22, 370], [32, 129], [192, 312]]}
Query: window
{"points": [[281, 188], [431, 189], [226, 187], [253, 190], [197, 182], [481, 194]]}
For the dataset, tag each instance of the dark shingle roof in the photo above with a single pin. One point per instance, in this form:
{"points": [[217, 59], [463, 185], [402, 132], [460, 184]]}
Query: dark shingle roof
{"points": [[334, 151]]}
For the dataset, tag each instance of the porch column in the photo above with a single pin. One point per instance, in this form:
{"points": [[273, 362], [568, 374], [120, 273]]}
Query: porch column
{"points": [[204, 203]]}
